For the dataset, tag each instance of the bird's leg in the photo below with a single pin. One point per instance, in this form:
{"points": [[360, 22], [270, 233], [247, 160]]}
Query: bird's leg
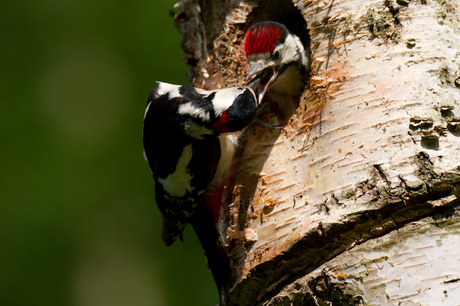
{"points": [[266, 107]]}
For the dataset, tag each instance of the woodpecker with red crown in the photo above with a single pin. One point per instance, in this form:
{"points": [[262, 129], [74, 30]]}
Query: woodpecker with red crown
{"points": [[189, 147], [278, 57]]}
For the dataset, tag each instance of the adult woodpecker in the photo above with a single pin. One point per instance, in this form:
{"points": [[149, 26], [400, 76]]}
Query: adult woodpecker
{"points": [[189, 147], [278, 56]]}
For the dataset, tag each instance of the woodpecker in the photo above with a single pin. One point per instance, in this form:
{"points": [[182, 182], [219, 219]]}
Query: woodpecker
{"points": [[278, 56], [189, 147]]}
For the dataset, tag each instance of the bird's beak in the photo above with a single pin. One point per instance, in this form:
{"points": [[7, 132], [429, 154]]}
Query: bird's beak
{"points": [[255, 69], [264, 76], [254, 86], [254, 83]]}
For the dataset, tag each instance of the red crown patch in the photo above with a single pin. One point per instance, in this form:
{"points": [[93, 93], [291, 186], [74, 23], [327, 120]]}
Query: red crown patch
{"points": [[261, 38]]}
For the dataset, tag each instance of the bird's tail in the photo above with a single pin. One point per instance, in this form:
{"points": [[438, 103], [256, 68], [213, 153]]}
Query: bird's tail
{"points": [[170, 232], [214, 249]]}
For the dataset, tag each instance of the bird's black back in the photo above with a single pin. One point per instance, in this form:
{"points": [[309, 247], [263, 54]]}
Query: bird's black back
{"points": [[164, 142]]}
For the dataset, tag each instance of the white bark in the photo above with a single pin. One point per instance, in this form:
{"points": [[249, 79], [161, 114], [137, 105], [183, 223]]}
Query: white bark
{"points": [[371, 151]]}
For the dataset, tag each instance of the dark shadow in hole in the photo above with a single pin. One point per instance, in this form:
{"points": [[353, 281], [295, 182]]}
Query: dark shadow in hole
{"points": [[455, 132], [447, 113], [430, 143], [420, 126]]}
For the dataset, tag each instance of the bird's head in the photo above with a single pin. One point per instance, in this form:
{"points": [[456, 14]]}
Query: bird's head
{"points": [[270, 49]]}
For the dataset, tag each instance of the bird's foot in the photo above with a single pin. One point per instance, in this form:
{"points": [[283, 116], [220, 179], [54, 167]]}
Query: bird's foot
{"points": [[266, 107]]}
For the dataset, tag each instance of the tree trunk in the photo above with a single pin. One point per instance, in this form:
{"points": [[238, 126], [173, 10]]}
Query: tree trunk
{"points": [[354, 201]]}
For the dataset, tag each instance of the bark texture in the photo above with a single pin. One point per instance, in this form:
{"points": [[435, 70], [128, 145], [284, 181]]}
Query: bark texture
{"points": [[355, 201]]}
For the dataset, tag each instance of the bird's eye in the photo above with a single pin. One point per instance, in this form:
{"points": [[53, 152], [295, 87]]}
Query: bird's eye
{"points": [[240, 89], [275, 55]]}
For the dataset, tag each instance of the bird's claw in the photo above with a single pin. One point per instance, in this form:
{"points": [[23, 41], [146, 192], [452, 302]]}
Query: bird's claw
{"points": [[267, 106], [267, 125]]}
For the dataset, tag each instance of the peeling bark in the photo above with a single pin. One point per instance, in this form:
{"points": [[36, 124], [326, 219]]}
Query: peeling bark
{"points": [[354, 201]]}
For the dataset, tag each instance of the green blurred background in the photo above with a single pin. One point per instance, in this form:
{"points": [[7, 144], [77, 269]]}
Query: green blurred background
{"points": [[78, 224]]}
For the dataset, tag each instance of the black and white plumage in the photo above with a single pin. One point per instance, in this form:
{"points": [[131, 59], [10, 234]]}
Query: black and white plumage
{"points": [[279, 56], [189, 147]]}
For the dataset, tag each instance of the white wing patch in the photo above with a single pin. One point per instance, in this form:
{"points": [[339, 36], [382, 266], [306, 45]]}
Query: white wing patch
{"points": [[189, 109], [178, 183]]}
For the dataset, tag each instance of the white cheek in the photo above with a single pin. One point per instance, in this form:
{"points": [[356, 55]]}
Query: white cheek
{"points": [[223, 99], [290, 54]]}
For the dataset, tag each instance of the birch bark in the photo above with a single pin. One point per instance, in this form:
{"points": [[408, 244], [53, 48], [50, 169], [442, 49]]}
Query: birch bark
{"points": [[355, 200]]}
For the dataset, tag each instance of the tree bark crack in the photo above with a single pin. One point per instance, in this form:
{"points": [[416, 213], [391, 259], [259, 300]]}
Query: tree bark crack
{"points": [[328, 240]]}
